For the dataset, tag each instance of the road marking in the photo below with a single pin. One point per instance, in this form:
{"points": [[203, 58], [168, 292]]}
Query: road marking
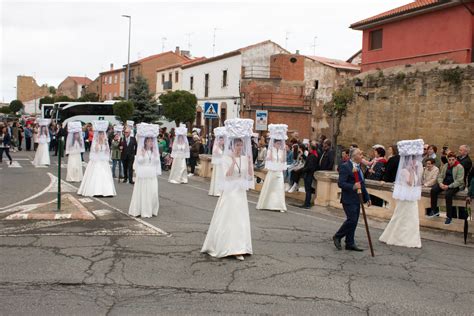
{"points": [[15, 164], [102, 212], [34, 196], [85, 200]]}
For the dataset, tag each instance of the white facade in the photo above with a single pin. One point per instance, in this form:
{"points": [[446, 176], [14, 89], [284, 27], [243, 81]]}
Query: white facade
{"points": [[164, 76], [224, 73]]}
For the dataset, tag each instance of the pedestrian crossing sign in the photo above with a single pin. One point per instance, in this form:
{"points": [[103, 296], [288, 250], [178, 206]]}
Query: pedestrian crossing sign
{"points": [[211, 110]]}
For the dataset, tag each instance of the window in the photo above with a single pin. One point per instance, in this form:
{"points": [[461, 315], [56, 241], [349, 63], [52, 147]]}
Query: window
{"points": [[176, 78], [110, 95], [224, 78], [375, 39], [170, 77], [206, 85], [162, 78], [110, 79], [115, 94], [198, 119], [223, 115], [316, 84], [191, 83], [105, 80], [115, 78]]}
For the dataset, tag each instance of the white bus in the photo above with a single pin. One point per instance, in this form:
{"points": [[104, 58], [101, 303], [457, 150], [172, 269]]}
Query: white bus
{"points": [[86, 112]]}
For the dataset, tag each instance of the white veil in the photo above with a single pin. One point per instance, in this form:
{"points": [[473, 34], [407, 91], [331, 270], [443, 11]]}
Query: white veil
{"points": [[410, 170], [218, 146], [74, 140], [100, 146], [147, 162], [237, 160], [180, 147], [276, 153], [43, 131]]}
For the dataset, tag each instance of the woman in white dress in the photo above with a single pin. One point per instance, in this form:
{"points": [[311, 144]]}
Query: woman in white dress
{"points": [[74, 148], [229, 231], [179, 152], [98, 176], [147, 165], [42, 152], [217, 152], [272, 196], [404, 226]]}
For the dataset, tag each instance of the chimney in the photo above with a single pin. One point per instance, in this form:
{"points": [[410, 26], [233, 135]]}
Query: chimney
{"points": [[177, 50], [297, 52], [111, 66]]}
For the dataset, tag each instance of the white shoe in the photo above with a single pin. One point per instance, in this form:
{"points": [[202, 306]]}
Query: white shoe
{"points": [[287, 187], [294, 188], [190, 174], [241, 258]]}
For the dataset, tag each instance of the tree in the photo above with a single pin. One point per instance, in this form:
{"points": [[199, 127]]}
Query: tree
{"points": [[179, 106], [46, 100], [89, 97], [337, 108], [16, 105], [123, 110], [146, 108], [62, 98], [5, 110], [52, 90]]}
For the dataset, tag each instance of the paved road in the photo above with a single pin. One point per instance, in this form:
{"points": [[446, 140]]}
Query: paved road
{"points": [[117, 265]]}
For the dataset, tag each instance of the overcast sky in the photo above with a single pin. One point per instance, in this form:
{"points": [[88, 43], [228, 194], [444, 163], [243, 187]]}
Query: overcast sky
{"points": [[52, 40]]}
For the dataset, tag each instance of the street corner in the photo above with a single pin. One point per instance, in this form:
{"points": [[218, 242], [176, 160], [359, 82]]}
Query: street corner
{"points": [[71, 209]]}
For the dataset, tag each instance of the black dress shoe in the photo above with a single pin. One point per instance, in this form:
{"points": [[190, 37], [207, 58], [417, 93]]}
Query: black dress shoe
{"points": [[337, 242], [354, 248], [125, 181], [132, 182], [304, 206]]}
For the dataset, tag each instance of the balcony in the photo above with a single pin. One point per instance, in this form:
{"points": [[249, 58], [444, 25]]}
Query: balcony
{"points": [[279, 102], [261, 72]]}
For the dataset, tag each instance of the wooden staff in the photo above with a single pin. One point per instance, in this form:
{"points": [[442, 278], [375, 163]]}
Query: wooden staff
{"points": [[361, 200]]}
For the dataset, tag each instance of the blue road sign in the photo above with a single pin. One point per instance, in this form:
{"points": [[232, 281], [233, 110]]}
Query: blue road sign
{"points": [[211, 110]]}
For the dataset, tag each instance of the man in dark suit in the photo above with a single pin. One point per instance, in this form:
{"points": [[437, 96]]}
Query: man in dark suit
{"points": [[128, 146], [326, 161], [350, 200], [310, 167]]}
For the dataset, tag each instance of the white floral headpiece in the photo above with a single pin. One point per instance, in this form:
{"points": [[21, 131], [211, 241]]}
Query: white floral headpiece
{"points": [[43, 122], [181, 130], [239, 127], [410, 147], [278, 131], [220, 131], [148, 130], [74, 127], [130, 123], [118, 128], [100, 126]]}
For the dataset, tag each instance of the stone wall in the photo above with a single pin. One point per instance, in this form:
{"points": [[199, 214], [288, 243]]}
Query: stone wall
{"points": [[432, 101], [28, 89]]}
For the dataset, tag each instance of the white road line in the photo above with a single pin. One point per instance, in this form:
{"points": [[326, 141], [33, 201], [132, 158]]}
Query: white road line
{"points": [[15, 164], [51, 183], [128, 215]]}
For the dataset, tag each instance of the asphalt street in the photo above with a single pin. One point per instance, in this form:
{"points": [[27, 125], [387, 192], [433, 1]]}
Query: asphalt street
{"points": [[118, 265]]}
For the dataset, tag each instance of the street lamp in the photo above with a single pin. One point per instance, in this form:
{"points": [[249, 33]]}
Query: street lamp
{"points": [[127, 79]]}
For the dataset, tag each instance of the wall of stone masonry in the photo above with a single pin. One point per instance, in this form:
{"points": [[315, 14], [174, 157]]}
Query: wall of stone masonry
{"points": [[432, 101]]}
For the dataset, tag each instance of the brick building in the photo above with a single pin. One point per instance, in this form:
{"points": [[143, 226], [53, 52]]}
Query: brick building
{"points": [[293, 90], [73, 87], [112, 83], [421, 31], [94, 87], [146, 67]]}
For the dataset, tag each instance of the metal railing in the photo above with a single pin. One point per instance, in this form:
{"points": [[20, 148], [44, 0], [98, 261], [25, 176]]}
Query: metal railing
{"points": [[279, 99], [261, 72]]}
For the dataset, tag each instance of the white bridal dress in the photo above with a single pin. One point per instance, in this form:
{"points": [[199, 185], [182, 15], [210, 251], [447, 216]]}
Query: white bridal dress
{"points": [[404, 226], [42, 154], [217, 172], [145, 202], [98, 177], [179, 170], [74, 165], [229, 231], [272, 196]]}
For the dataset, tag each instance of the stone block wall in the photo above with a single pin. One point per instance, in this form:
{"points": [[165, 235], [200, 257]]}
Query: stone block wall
{"points": [[432, 101]]}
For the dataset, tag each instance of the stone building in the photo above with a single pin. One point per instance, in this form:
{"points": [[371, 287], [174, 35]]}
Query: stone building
{"points": [[433, 101], [94, 87], [73, 86], [27, 89], [293, 90]]}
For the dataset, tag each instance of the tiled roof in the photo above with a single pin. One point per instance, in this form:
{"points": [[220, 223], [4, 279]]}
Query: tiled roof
{"points": [[112, 71], [408, 8], [184, 58], [81, 80], [335, 63], [187, 62], [233, 53]]}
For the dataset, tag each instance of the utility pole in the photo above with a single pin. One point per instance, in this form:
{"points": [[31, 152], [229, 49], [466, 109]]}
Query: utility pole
{"points": [[214, 42], [314, 45], [127, 79], [188, 35], [163, 40], [287, 33]]}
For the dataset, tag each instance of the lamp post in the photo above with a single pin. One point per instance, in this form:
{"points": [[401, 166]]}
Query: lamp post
{"points": [[127, 79], [358, 89]]}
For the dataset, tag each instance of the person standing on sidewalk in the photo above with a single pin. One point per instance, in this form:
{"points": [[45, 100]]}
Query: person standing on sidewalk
{"points": [[28, 136], [311, 165], [5, 142], [128, 147], [116, 152]]}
